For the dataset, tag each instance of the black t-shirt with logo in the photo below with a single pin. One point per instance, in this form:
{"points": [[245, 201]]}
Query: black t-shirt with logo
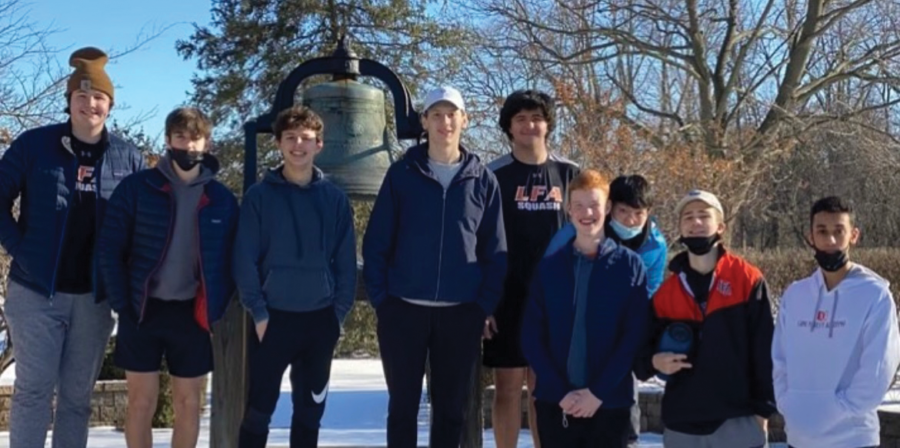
{"points": [[74, 272], [533, 199]]}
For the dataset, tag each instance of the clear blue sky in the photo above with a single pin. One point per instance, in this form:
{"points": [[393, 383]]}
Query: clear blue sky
{"points": [[151, 78]]}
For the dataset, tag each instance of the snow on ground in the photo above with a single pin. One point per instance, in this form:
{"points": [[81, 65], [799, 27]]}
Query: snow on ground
{"points": [[355, 414]]}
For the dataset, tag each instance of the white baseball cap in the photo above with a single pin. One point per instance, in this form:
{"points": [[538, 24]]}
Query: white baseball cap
{"points": [[702, 196], [445, 93]]}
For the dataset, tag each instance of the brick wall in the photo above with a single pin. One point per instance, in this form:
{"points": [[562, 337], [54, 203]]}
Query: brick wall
{"points": [[108, 404]]}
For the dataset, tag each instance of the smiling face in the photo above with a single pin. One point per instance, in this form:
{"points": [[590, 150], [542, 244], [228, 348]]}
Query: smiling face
{"points": [[444, 123], [89, 109], [587, 211], [299, 147], [529, 129], [699, 219]]}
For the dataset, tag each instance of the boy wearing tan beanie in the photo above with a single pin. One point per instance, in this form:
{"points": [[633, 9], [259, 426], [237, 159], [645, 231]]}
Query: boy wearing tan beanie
{"points": [[63, 174]]}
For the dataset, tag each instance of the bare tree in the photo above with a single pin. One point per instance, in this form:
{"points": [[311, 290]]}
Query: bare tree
{"points": [[712, 66], [742, 80]]}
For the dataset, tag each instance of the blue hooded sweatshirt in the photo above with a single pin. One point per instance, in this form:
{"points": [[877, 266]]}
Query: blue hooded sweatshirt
{"points": [[295, 248]]}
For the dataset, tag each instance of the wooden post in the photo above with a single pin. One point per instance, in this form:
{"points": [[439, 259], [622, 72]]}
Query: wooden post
{"points": [[473, 421], [229, 389]]}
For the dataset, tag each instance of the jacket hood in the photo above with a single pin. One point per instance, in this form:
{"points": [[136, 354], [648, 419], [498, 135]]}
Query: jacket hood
{"points": [[417, 156], [858, 276], [276, 176]]}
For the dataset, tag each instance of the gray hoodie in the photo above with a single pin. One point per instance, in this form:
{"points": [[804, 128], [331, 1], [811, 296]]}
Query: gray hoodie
{"points": [[178, 277]]}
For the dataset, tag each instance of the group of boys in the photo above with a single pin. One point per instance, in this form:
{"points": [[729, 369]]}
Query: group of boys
{"points": [[165, 248], [456, 252]]}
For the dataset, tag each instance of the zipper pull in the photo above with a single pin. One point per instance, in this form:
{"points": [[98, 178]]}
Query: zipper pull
{"points": [[565, 421]]}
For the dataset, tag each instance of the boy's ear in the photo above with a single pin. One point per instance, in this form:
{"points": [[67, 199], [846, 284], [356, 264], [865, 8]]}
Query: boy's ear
{"points": [[721, 228]]}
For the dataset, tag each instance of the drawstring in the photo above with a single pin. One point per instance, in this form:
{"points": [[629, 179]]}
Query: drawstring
{"points": [[812, 327], [834, 306], [320, 206], [833, 313], [565, 421]]}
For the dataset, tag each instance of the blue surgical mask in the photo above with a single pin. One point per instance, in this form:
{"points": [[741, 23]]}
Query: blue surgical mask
{"points": [[625, 232]]}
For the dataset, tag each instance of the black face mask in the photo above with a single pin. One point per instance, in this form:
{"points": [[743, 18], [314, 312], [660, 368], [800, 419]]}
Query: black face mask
{"points": [[699, 245], [186, 160], [831, 261]]}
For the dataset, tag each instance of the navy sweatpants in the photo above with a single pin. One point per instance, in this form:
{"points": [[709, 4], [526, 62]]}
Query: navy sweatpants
{"points": [[305, 342], [608, 428], [450, 338]]}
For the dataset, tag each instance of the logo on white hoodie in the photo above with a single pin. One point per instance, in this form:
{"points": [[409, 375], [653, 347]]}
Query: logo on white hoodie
{"points": [[822, 321]]}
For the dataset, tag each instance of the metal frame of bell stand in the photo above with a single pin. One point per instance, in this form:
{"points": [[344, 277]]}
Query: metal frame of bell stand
{"points": [[342, 63], [230, 384]]}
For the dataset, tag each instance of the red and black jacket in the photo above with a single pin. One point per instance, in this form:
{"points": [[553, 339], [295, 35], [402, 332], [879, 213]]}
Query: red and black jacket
{"points": [[731, 374]]}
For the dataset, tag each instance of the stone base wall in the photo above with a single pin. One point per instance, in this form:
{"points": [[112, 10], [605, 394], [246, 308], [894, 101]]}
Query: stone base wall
{"points": [[651, 418], [108, 405]]}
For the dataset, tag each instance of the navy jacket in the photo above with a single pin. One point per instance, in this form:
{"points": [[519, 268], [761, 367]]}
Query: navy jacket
{"points": [[136, 233], [422, 243], [291, 261], [616, 315], [42, 169]]}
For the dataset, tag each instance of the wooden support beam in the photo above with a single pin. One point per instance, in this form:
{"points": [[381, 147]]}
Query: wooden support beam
{"points": [[229, 389]]}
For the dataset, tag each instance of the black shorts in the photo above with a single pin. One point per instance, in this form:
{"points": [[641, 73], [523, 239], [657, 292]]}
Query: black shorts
{"points": [[169, 330], [504, 350]]}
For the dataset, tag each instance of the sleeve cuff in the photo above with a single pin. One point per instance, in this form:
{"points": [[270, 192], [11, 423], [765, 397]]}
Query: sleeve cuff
{"points": [[260, 314], [764, 410]]}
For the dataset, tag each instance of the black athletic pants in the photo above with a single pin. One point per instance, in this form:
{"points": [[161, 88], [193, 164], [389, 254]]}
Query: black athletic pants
{"points": [[450, 338], [608, 428], [305, 342]]}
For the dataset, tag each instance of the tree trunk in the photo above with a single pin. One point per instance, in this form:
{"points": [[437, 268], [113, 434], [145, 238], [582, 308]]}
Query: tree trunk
{"points": [[473, 421]]}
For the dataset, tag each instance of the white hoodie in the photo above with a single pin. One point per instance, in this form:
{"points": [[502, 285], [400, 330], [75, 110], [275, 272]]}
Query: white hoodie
{"points": [[835, 355]]}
